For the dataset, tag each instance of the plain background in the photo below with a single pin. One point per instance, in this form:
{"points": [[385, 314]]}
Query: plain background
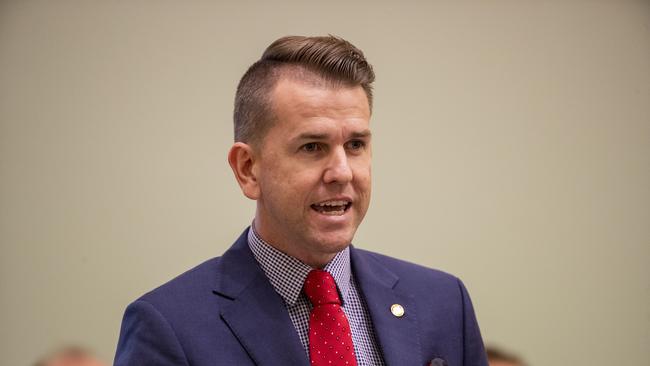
{"points": [[511, 148]]}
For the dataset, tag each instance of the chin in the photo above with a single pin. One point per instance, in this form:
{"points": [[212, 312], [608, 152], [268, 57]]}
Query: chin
{"points": [[334, 242]]}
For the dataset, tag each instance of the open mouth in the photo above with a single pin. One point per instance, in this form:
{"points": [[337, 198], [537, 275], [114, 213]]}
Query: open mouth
{"points": [[332, 208]]}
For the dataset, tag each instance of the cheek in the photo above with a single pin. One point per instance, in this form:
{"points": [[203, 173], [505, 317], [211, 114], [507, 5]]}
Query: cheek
{"points": [[271, 180], [362, 175], [289, 181], [369, 175]]}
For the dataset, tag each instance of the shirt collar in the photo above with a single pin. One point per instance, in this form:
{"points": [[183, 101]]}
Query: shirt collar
{"points": [[287, 274]]}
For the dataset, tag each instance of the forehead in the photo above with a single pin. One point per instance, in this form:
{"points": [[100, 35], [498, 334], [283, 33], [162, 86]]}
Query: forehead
{"points": [[294, 98]]}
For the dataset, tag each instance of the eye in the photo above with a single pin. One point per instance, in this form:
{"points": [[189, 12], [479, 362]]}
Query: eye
{"points": [[356, 145], [311, 147]]}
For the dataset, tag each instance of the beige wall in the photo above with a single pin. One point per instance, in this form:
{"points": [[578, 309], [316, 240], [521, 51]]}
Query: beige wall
{"points": [[512, 148]]}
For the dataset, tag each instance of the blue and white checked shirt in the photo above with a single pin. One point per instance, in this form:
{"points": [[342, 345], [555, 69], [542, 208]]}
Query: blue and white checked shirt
{"points": [[287, 275]]}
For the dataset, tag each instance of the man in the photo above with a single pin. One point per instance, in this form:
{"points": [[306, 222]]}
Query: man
{"points": [[292, 290]]}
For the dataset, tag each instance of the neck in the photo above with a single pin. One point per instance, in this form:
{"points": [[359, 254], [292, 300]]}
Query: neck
{"points": [[288, 247]]}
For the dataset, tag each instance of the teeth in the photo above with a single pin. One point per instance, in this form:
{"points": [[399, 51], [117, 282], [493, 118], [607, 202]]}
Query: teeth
{"points": [[333, 213], [333, 203]]}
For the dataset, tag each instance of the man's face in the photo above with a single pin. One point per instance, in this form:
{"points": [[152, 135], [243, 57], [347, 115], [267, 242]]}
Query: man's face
{"points": [[313, 169]]}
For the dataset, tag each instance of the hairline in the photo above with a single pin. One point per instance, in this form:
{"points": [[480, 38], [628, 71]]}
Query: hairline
{"points": [[299, 73]]}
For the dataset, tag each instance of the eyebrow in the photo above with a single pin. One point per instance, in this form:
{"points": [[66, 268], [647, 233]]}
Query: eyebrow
{"points": [[324, 136], [362, 134]]}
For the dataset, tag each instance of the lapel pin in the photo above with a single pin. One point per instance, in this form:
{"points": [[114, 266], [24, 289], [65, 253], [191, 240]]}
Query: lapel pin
{"points": [[397, 310]]}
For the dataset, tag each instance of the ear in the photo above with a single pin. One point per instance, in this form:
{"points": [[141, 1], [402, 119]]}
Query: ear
{"points": [[241, 158]]}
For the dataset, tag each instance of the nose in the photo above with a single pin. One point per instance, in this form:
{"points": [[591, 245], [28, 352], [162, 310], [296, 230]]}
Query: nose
{"points": [[338, 168]]}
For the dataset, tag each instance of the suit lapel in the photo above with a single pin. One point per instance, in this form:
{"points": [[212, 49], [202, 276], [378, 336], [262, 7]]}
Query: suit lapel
{"points": [[253, 310], [397, 336]]}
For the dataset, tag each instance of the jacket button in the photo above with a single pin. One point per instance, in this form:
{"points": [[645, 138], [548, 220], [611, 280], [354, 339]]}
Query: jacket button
{"points": [[397, 310], [438, 362]]}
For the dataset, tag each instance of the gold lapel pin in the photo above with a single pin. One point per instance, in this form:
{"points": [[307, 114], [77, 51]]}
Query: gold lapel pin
{"points": [[397, 310]]}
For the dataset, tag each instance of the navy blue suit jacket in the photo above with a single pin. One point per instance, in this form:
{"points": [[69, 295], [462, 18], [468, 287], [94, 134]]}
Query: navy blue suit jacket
{"points": [[225, 312]]}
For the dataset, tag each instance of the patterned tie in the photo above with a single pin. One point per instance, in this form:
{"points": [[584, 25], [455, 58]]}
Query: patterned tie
{"points": [[330, 340]]}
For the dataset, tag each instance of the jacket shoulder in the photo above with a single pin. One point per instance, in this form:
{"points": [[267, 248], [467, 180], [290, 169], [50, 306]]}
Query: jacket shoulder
{"points": [[185, 288], [414, 277], [405, 268]]}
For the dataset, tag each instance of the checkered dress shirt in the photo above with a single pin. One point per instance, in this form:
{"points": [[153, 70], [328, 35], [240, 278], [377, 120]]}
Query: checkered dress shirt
{"points": [[287, 275]]}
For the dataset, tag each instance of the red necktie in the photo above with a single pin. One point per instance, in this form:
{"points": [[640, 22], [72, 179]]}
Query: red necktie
{"points": [[330, 340]]}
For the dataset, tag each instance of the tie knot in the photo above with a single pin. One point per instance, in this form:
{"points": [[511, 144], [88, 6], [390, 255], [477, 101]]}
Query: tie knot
{"points": [[320, 288]]}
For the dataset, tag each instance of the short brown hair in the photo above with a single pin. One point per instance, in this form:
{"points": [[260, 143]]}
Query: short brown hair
{"points": [[330, 59]]}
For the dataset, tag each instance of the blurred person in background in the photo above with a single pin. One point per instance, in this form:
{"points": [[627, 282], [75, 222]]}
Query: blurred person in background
{"points": [[70, 356], [499, 357]]}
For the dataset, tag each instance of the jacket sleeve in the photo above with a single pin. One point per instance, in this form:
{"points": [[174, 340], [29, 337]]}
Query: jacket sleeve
{"points": [[473, 349], [147, 339]]}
